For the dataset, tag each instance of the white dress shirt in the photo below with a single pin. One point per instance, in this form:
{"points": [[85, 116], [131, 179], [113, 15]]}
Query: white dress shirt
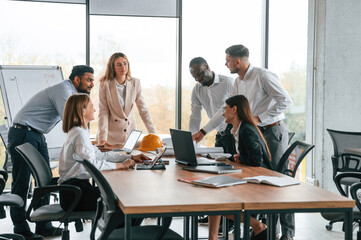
{"points": [[267, 97], [79, 146], [45, 109], [211, 98]]}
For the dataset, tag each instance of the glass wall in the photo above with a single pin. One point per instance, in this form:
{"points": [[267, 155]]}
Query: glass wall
{"points": [[34, 33], [288, 58], [151, 47], [209, 27]]}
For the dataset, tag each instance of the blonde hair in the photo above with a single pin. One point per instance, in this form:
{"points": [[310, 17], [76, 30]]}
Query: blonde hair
{"points": [[73, 111], [110, 72]]}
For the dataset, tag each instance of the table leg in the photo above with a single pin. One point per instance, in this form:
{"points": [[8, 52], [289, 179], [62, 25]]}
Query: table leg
{"points": [[194, 227], [186, 228], [237, 223], [127, 225], [348, 224]]}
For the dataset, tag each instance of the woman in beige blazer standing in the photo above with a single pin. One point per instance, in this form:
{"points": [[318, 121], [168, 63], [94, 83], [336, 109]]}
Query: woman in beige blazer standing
{"points": [[118, 94]]}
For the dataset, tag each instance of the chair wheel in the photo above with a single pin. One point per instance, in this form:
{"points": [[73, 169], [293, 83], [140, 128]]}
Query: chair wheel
{"points": [[329, 227]]}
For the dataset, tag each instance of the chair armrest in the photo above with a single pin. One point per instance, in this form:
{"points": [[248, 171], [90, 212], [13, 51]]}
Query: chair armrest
{"points": [[334, 160], [40, 192], [4, 174], [342, 175]]}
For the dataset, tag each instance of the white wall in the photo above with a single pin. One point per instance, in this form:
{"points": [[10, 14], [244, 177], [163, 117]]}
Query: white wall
{"points": [[334, 78]]}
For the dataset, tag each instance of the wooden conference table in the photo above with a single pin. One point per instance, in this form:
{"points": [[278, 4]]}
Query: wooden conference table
{"points": [[147, 193]]}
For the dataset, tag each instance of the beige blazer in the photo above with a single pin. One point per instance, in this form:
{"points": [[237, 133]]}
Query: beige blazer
{"points": [[114, 122]]}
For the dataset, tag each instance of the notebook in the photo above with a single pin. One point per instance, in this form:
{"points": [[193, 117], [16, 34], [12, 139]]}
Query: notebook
{"points": [[218, 181], [184, 149], [213, 169], [153, 165], [130, 142]]}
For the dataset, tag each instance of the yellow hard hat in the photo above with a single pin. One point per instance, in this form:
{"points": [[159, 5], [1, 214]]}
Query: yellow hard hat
{"points": [[150, 143]]}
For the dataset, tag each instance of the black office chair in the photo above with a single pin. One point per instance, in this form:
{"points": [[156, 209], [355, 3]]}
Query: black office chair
{"points": [[355, 195], [293, 157], [343, 162], [290, 161], [10, 200], [45, 184], [109, 216]]}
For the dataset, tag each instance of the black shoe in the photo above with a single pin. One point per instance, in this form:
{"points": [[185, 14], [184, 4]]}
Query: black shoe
{"points": [[261, 236], [203, 221], [51, 232], [31, 236]]}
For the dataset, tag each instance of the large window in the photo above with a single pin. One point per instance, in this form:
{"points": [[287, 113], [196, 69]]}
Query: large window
{"points": [[34, 33], [151, 47], [288, 57], [209, 27]]}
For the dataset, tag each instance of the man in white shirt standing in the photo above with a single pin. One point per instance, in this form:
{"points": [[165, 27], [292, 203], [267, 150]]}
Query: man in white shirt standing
{"points": [[210, 93], [268, 100]]}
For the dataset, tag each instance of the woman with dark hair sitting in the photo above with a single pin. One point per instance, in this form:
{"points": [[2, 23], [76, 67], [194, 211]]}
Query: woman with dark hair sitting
{"points": [[252, 150]]}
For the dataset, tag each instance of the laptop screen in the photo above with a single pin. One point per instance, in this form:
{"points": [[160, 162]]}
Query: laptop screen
{"points": [[183, 146], [132, 140], [159, 155]]}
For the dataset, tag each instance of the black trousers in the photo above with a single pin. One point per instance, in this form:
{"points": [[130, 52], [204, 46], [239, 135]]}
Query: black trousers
{"points": [[21, 176], [89, 197]]}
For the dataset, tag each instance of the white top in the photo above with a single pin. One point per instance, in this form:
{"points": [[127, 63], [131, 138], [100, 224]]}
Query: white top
{"points": [[235, 132], [121, 92], [267, 97], [211, 98], [79, 146]]}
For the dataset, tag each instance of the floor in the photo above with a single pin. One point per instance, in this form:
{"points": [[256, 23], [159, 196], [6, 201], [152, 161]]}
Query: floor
{"points": [[309, 226]]}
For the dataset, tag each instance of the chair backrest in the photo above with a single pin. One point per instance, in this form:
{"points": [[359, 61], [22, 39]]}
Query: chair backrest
{"points": [[293, 157], [38, 165], [290, 136], [105, 189], [342, 140], [108, 209], [4, 130]]}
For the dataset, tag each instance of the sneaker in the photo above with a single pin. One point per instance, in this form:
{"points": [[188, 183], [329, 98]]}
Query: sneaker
{"points": [[285, 237], [31, 236], [51, 232], [203, 220]]}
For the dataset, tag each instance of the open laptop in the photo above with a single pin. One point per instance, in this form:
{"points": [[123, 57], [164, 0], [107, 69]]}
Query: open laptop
{"points": [[153, 165], [130, 142], [213, 169], [184, 149]]}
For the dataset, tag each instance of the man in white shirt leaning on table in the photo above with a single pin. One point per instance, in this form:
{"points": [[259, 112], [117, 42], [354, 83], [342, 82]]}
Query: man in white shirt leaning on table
{"points": [[210, 93]]}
